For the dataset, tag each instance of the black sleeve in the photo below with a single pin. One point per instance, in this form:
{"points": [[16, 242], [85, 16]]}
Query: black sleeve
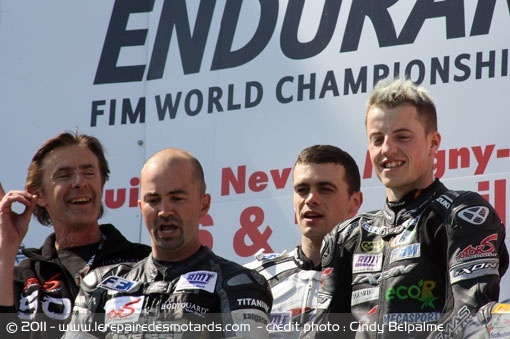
{"points": [[476, 257], [334, 295]]}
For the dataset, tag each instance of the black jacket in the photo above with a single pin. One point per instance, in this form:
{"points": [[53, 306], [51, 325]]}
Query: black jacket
{"points": [[205, 294], [44, 290], [435, 257]]}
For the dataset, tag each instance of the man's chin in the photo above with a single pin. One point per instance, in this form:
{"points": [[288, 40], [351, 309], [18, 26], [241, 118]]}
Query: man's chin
{"points": [[313, 223], [169, 242], [80, 223], [312, 230]]}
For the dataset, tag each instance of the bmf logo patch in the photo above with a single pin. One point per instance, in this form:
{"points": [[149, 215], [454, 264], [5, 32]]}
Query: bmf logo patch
{"points": [[405, 252], [197, 280], [118, 284]]}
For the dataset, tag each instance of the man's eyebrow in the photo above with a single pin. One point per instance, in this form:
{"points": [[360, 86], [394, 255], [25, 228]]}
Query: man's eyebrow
{"points": [[69, 168], [403, 129], [150, 194], [319, 183], [301, 184], [371, 134], [63, 169], [172, 192], [326, 183], [400, 130], [177, 191], [86, 166]]}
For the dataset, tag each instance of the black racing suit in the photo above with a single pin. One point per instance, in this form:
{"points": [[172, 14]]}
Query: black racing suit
{"points": [[204, 296], [435, 257], [294, 281], [44, 290]]}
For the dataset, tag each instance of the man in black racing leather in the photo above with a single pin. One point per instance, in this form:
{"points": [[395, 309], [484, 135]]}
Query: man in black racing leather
{"points": [[424, 264], [182, 290]]}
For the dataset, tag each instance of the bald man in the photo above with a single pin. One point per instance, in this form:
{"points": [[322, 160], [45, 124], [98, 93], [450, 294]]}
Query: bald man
{"points": [[182, 287]]}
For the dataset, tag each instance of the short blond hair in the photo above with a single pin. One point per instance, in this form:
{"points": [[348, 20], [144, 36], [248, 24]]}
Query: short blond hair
{"points": [[398, 92]]}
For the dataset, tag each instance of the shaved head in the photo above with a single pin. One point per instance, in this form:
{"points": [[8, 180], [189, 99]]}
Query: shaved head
{"points": [[172, 156]]}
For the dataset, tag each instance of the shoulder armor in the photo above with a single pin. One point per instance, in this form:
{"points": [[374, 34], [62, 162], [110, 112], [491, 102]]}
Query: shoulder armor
{"points": [[92, 280], [244, 276], [464, 208], [339, 232]]}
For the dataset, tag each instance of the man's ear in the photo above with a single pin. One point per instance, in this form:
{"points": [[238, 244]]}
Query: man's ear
{"points": [[205, 203], [40, 200], [435, 142], [356, 202]]}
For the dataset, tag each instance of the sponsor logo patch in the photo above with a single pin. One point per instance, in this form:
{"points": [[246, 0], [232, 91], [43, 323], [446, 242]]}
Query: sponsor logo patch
{"points": [[372, 246], [405, 252], [364, 295], [374, 278], [421, 291], [197, 280], [475, 215], [456, 324], [382, 231], [53, 284], [367, 263], [501, 308], [474, 269], [485, 249], [445, 201], [257, 319], [253, 303], [53, 308], [187, 306], [412, 318], [123, 309], [279, 321], [118, 284]]}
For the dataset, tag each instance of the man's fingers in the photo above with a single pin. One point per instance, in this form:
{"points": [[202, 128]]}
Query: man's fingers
{"points": [[27, 213], [8, 200], [2, 192]]}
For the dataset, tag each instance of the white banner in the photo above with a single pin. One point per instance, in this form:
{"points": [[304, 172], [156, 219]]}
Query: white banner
{"points": [[245, 86]]}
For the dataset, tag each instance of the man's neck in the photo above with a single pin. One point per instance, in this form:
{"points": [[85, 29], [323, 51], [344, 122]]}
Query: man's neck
{"points": [[73, 237], [312, 250], [395, 194]]}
